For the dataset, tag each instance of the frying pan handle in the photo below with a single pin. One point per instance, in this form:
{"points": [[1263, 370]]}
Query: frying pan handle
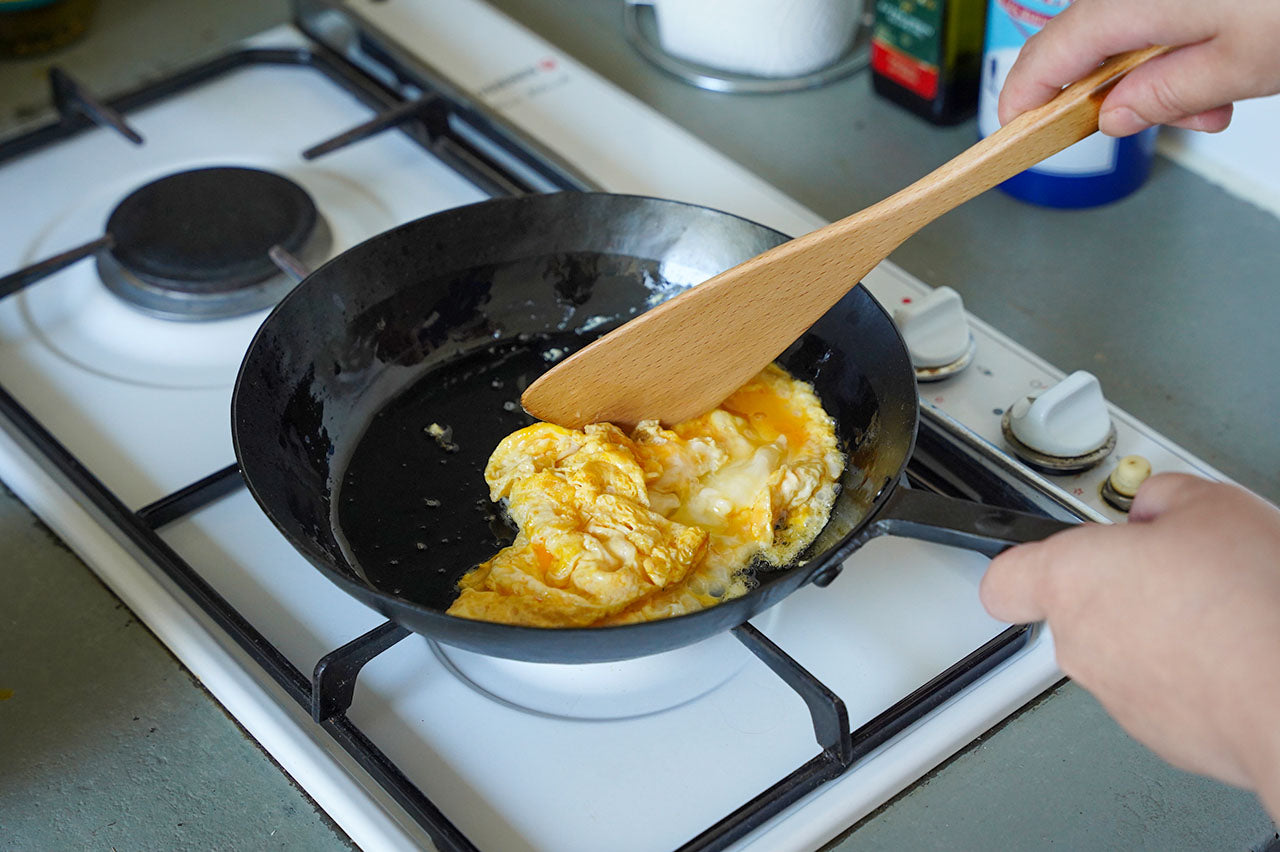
{"points": [[961, 523]]}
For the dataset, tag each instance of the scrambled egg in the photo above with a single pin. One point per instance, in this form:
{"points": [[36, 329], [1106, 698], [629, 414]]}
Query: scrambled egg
{"points": [[618, 528]]}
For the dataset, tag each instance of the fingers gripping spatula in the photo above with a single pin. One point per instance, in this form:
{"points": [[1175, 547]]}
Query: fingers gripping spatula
{"points": [[686, 355]]}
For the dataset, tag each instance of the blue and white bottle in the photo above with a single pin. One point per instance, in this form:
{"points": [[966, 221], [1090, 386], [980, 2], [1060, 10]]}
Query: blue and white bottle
{"points": [[1094, 171]]}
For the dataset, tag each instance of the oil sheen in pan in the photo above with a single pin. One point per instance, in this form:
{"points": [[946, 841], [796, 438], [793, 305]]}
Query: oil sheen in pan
{"points": [[413, 505], [413, 510]]}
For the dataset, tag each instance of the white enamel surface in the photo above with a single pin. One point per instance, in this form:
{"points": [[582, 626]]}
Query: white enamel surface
{"points": [[145, 402], [604, 132], [623, 689], [1068, 419], [1002, 371], [869, 636], [86, 324], [900, 613], [935, 328]]}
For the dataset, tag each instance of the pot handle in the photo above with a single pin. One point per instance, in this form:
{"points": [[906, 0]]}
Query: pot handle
{"points": [[962, 523]]}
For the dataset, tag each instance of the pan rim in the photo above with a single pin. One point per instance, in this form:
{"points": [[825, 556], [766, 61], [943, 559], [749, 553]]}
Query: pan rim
{"points": [[386, 602]]}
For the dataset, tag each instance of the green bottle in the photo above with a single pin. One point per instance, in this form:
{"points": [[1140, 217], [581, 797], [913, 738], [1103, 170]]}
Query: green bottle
{"points": [[926, 55]]}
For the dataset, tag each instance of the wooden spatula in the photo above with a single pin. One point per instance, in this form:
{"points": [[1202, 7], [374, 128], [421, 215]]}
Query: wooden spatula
{"points": [[686, 355]]}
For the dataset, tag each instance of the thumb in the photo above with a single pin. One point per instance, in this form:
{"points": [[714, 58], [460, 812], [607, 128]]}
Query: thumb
{"points": [[1012, 588], [1168, 492], [1050, 579]]}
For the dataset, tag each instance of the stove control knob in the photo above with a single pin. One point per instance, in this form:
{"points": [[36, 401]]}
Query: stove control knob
{"points": [[1065, 429], [1123, 483], [936, 331]]}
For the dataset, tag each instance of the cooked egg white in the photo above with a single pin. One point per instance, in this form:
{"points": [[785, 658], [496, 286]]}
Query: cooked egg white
{"points": [[617, 528]]}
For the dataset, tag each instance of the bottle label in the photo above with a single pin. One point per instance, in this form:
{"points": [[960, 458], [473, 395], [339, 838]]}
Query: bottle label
{"points": [[905, 43], [1009, 24]]}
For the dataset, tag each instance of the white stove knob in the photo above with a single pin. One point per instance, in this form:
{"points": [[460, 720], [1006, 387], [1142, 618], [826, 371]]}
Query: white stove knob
{"points": [[935, 329], [1068, 420]]}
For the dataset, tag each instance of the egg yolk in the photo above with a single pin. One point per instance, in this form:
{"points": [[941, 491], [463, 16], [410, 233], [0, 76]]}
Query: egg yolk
{"points": [[617, 528]]}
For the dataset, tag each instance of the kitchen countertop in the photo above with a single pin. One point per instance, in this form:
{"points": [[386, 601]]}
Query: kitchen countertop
{"points": [[107, 742]]}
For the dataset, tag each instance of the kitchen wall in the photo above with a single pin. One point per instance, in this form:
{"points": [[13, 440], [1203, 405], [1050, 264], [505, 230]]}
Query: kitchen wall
{"points": [[1244, 158]]}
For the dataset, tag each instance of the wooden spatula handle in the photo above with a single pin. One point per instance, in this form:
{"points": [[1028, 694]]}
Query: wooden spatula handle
{"points": [[1069, 117], [682, 357], [1031, 137]]}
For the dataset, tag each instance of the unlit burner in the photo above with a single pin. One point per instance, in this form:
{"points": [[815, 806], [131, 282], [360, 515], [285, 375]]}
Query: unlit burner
{"points": [[195, 245]]}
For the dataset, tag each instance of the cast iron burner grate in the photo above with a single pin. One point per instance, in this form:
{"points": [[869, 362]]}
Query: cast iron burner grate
{"points": [[196, 245]]}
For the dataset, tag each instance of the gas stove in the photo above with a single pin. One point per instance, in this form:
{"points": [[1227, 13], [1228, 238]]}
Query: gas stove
{"points": [[114, 403]]}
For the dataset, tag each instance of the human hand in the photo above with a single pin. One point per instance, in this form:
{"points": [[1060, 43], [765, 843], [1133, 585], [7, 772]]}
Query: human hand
{"points": [[1172, 621], [1226, 52]]}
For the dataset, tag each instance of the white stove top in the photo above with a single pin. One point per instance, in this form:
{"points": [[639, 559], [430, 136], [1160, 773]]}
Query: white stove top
{"points": [[144, 404]]}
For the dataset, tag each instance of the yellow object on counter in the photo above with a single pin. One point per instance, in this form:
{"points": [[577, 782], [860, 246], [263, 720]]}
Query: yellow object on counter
{"points": [[33, 27], [618, 528]]}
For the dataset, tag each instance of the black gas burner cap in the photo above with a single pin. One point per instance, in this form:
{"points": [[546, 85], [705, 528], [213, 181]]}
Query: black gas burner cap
{"points": [[195, 245]]}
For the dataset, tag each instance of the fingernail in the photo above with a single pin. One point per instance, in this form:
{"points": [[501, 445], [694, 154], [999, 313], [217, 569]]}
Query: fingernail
{"points": [[1121, 121]]}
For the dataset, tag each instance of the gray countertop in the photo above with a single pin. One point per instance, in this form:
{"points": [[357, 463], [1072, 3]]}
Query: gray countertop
{"points": [[1169, 297]]}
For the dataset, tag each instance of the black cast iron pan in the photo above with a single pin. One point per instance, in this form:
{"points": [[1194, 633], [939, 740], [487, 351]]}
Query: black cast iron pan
{"points": [[371, 398]]}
